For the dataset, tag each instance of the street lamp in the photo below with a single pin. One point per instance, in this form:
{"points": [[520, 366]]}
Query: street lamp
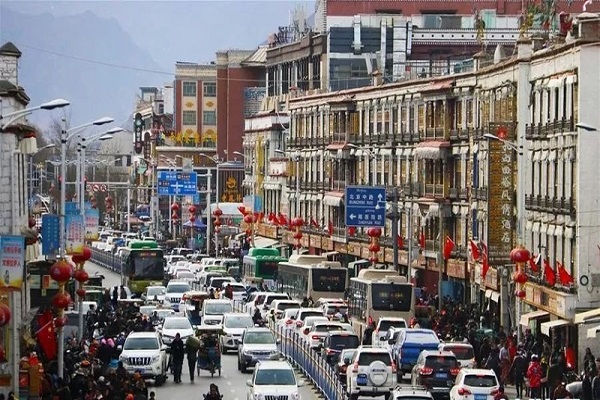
{"points": [[217, 163], [586, 127], [50, 105], [30, 184]]}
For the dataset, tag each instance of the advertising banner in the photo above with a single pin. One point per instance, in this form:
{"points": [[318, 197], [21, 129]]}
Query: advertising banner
{"points": [[92, 221], [12, 262], [75, 234], [71, 208], [50, 234]]}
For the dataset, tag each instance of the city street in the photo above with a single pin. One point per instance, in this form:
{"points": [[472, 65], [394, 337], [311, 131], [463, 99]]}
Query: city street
{"points": [[110, 278]]}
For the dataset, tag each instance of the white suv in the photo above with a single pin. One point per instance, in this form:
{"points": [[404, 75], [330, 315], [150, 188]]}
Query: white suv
{"points": [[144, 352], [371, 373], [273, 380]]}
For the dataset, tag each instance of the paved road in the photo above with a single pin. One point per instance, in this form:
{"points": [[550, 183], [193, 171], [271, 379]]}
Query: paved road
{"points": [[110, 278]]}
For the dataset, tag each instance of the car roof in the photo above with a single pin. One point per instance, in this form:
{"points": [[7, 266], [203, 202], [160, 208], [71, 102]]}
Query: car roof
{"points": [[177, 281], [332, 323], [274, 365], [478, 371], [258, 329], [235, 315], [342, 333], [143, 335], [307, 309], [439, 353], [455, 344], [371, 349], [155, 286]]}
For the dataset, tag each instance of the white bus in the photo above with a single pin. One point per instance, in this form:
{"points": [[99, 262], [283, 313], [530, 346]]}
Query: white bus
{"points": [[311, 277], [376, 293]]}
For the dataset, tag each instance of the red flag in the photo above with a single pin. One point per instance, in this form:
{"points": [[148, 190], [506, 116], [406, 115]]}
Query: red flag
{"points": [[484, 260], [330, 228], [46, 337], [474, 250], [314, 223], [400, 241], [534, 263], [422, 240], [563, 276], [549, 273], [448, 247], [282, 219]]}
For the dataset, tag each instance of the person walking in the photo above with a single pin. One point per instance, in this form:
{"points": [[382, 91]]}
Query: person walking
{"points": [[534, 375], [191, 350], [177, 354], [517, 371]]}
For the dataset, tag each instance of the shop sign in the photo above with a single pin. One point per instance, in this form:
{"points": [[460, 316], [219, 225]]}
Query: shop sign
{"points": [[327, 243], [456, 268], [315, 241], [491, 279], [305, 242], [556, 303], [364, 252], [432, 265]]}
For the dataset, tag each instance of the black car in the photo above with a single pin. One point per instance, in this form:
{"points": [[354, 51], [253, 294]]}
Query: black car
{"points": [[436, 371], [343, 363], [335, 342]]}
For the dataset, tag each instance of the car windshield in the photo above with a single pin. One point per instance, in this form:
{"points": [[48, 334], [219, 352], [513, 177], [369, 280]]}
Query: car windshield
{"points": [[328, 328], [141, 344], [259, 338], [238, 322], [480, 380], [368, 358], [385, 325], [270, 299], [332, 309], [275, 377], [343, 342], [185, 275], [156, 291], [348, 354], [237, 288], [285, 306], [182, 288], [218, 282], [461, 352], [441, 362], [217, 309], [177, 323]]}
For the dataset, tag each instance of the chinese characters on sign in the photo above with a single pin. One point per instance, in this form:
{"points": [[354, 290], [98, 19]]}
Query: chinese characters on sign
{"points": [[501, 217], [50, 234], [12, 262], [92, 218], [75, 233]]}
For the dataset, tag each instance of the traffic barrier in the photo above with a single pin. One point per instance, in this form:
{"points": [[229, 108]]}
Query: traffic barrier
{"points": [[107, 260], [295, 348]]}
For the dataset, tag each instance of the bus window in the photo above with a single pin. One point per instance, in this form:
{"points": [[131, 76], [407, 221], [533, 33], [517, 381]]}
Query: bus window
{"points": [[392, 297], [329, 280]]}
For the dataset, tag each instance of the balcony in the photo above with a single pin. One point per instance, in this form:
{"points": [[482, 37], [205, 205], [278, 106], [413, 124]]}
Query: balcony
{"points": [[550, 204]]}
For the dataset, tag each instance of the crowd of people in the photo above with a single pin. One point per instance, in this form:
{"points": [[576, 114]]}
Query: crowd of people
{"points": [[92, 371]]}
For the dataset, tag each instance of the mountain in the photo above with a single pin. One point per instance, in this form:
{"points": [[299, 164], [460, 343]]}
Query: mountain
{"points": [[88, 60]]}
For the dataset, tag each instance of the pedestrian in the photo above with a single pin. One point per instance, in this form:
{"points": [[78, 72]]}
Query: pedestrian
{"points": [[177, 354], [534, 375], [586, 386], [368, 335], [152, 395], [596, 387], [517, 371], [500, 395], [191, 350]]}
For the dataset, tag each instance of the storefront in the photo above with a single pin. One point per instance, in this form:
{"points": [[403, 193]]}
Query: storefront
{"points": [[533, 320], [588, 327]]}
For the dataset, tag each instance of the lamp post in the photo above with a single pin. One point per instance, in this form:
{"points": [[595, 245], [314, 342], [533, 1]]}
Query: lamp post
{"points": [[15, 115], [217, 164], [30, 183]]}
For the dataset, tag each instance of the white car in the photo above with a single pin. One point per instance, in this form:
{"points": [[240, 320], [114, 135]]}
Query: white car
{"points": [[175, 291], [279, 306], [214, 309], [273, 380], [239, 290], [250, 305], [319, 332], [143, 351], [287, 320], [234, 325], [472, 383], [309, 322], [304, 313], [372, 373], [174, 325], [186, 276], [154, 293], [383, 326], [464, 352]]}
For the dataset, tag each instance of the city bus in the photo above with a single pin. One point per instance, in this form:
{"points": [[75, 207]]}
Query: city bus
{"points": [[312, 277], [261, 265], [376, 293], [142, 265]]}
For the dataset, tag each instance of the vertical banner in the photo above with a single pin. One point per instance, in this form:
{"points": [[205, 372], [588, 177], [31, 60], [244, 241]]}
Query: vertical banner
{"points": [[50, 234], [75, 234], [12, 262], [71, 208], [92, 220]]}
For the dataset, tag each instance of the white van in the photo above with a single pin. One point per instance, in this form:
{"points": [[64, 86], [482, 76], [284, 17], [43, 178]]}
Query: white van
{"points": [[213, 310]]}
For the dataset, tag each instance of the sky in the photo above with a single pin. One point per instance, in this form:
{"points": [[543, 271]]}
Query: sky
{"points": [[190, 30]]}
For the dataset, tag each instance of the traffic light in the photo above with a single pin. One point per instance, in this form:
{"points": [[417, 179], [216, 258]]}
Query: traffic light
{"points": [[138, 137]]}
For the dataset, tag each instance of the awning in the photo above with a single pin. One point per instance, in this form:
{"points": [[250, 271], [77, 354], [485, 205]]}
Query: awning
{"points": [[495, 296], [536, 227], [584, 317], [262, 242], [488, 293], [525, 318], [558, 231], [337, 146], [333, 199], [569, 232], [547, 326], [432, 149], [441, 85], [591, 333]]}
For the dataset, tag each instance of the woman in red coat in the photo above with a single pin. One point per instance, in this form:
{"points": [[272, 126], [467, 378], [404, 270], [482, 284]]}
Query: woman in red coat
{"points": [[534, 375]]}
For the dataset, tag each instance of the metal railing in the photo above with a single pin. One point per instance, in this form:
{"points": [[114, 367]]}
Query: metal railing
{"points": [[298, 352], [107, 260]]}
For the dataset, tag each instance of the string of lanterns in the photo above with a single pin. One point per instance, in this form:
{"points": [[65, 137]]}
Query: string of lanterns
{"points": [[250, 219], [81, 274], [374, 247], [217, 214], [520, 255], [61, 271], [192, 210], [175, 212], [297, 224]]}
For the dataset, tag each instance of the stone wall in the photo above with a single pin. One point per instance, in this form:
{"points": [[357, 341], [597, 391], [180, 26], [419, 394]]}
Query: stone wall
{"points": [[9, 69]]}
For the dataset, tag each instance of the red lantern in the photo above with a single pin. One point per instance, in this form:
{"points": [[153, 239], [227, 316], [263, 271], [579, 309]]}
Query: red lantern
{"points": [[86, 254], [520, 277], [80, 292], [2, 317], [192, 218], [374, 232], [192, 209], [174, 207], [374, 247], [520, 255], [61, 300], [298, 235], [77, 258], [61, 271], [352, 231], [248, 219], [81, 275], [217, 223], [297, 222], [108, 199], [60, 322], [174, 216], [7, 313], [242, 209], [32, 222], [520, 294], [374, 260], [248, 232], [218, 212], [255, 218]]}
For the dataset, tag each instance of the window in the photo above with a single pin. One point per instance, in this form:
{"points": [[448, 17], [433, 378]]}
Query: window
{"points": [[209, 118], [210, 89], [189, 89], [189, 118]]}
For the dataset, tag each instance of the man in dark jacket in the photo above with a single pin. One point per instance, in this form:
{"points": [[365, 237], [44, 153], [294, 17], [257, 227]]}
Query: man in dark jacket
{"points": [[555, 375], [517, 371], [177, 355], [191, 350]]}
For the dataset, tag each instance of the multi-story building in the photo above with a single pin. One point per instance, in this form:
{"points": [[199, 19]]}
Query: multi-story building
{"points": [[433, 143]]}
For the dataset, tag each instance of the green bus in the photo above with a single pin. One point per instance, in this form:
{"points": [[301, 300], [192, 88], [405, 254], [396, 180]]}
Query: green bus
{"points": [[261, 265], [142, 266]]}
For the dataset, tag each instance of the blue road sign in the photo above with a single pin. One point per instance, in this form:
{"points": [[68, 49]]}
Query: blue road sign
{"points": [[177, 183], [365, 206], [50, 234]]}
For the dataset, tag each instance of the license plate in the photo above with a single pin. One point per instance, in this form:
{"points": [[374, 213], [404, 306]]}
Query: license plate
{"points": [[481, 397], [440, 375], [361, 380]]}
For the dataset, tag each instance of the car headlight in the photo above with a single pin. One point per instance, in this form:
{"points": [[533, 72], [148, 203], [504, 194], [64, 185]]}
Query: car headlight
{"points": [[123, 359], [247, 353], [156, 358], [295, 396], [259, 397]]}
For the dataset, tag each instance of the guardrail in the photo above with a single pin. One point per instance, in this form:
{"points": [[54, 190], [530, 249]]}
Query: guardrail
{"points": [[299, 353], [107, 260]]}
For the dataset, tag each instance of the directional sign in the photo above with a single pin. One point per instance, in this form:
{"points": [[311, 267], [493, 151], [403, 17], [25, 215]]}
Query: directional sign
{"points": [[365, 206], [177, 183]]}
